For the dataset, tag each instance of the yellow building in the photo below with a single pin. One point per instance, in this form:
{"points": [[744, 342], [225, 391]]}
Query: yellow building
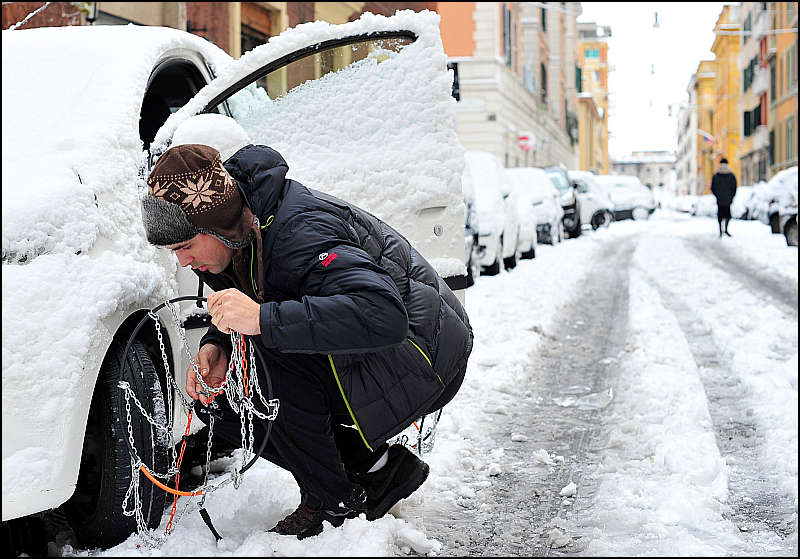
{"points": [[593, 150], [727, 128], [705, 92], [782, 58], [594, 68]]}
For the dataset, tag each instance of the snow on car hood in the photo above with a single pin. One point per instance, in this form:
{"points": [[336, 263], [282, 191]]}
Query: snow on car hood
{"points": [[74, 250], [392, 155]]}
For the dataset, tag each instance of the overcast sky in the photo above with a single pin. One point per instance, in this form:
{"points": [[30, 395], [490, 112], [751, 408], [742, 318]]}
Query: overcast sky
{"points": [[652, 67]]}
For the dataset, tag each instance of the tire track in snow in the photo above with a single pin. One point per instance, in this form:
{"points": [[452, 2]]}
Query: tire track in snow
{"points": [[776, 288], [756, 505], [570, 385]]}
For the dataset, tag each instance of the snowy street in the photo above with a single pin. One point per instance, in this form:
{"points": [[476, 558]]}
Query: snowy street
{"points": [[631, 392]]}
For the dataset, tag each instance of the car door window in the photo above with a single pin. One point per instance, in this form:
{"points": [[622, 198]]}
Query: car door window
{"points": [[257, 100], [583, 188]]}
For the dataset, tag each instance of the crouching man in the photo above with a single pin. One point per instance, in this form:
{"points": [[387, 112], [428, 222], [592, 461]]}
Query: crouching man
{"points": [[359, 334]]}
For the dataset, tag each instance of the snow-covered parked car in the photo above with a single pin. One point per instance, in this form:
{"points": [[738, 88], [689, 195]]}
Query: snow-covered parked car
{"points": [[704, 206], [632, 200], [597, 209], [497, 216], [778, 199], [472, 243], [528, 219], [570, 203], [362, 111], [546, 203], [740, 204]]}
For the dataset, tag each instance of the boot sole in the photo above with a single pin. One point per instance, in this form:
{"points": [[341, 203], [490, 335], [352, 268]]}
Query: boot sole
{"points": [[400, 493]]}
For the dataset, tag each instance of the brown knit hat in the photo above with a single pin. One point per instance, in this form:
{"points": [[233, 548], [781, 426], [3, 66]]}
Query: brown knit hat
{"points": [[191, 192]]}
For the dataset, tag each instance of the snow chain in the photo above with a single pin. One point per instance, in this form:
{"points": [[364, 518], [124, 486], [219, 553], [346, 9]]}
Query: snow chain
{"points": [[240, 385]]}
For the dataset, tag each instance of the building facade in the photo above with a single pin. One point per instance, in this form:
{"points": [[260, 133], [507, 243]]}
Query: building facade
{"points": [[235, 27], [781, 47], [653, 168], [753, 101], [593, 79], [507, 58], [727, 131], [686, 155]]}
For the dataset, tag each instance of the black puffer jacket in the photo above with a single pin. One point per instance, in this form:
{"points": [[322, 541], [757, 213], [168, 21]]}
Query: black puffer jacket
{"points": [[723, 185], [341, 283]]}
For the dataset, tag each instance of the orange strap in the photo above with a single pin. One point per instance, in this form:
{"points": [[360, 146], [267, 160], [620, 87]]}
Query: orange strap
{"points": [[146, 472]]}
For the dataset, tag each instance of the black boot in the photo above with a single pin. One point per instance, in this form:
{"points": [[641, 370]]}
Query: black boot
{"points": [[726, 228], [403, 473], [720, 229], [307, 519]]}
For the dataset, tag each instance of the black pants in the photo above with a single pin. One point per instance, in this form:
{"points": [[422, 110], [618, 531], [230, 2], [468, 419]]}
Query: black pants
{"points": [[723, 212], [312, 436]]}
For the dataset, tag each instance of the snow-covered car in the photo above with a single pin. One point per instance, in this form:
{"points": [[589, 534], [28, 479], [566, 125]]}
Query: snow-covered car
{"points": [[497, 216], [597, 209], [472, 243], [704, 206], [739, 206], [570, 203], [546, 203], [777, 200], [632, 200], [528, 220], [342, 103]]}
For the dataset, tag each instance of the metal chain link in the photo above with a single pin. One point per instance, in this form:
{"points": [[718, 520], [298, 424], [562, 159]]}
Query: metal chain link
{"points": [[239, 393]]}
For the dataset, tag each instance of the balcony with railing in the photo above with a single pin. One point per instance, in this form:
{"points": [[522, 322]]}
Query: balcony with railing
{"points": [[761, 26]]}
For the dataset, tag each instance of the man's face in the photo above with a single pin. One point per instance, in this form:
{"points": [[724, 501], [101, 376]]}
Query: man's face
{"points": [[203, 253]]}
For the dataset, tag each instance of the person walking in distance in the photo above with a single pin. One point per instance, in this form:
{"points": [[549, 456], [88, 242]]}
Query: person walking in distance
{"points": [[723, 187]]}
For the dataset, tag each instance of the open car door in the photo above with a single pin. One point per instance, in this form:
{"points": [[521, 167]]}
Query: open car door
{"points": [[362, 111]]}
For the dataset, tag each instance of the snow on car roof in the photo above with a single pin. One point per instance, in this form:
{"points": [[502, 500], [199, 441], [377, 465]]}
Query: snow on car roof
{"points": [[79, 139]]}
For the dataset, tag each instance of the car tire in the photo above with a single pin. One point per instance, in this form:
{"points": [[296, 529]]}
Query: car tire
{"points": [[609, 217], [494, 268], [790, 232], [511, 262], [95, 509], [576, 232], [775, 223], [640, 214], [529, 254], [597, 220]]}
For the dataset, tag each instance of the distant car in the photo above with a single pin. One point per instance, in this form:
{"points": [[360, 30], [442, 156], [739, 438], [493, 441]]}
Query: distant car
{"points": [[779, 199], [570, 202], [472, 243], [739, 207], [597, 209], [704, 206], [632, 200], [787, 205], [497, 218], [528, 219], [546, 202]]}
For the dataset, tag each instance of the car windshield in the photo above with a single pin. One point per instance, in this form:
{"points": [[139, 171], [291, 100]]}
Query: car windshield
{"points": [[558, 180]]}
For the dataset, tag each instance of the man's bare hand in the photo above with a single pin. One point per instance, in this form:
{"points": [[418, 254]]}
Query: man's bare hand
{"points": [[233, 310], [213, 364]]}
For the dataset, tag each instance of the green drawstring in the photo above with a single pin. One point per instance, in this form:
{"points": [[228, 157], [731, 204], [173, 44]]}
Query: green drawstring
{"points": [[253, 253]]}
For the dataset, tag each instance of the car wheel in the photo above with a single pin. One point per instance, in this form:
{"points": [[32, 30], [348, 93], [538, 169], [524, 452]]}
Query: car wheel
{"points": [[95, 509], [494, 268], [609, 217], [640, 214], [597, 220], [511, 262], [575, 232], [529, 254], [774, 223], [790, 232]]}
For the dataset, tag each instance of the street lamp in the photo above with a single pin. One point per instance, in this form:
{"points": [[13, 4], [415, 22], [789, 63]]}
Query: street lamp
{"points": [[656, 25]]}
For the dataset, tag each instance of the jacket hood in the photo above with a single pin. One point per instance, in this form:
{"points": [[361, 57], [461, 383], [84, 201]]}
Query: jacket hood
{"points": [[724, 169], [261, 174]]}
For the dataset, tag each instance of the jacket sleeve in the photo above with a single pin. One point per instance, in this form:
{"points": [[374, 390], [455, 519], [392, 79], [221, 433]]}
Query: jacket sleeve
{"points": [[214, 336], [714, 186], [345, 302]]}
